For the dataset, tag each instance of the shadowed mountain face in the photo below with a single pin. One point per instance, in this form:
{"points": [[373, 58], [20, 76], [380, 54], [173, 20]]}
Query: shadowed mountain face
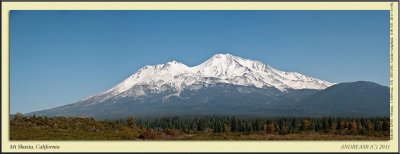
{"points": [[351, 99], [228, 85], [346, 99]]}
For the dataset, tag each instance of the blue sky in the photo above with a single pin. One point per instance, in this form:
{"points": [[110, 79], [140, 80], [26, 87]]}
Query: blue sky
{"points": [[60, 57]]}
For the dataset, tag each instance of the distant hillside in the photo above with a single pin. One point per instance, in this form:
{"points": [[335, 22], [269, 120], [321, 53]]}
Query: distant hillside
{"points": [[350, 99]]}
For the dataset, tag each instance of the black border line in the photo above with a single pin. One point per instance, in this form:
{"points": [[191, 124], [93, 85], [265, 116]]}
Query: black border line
{"points": [[200, 1]]}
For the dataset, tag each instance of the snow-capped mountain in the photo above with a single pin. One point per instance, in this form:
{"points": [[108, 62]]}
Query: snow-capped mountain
{"points": [[220, 68], [228, 85]]}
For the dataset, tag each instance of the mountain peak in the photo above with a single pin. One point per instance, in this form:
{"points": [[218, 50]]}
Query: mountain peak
{"points": [[176, 64], [220, 68], [221, 55], [173, 62], [226, 57], [218, 61]]}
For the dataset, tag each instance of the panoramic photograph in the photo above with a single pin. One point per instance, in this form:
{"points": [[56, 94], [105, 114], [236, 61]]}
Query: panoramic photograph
{"points": [[199, 75]]}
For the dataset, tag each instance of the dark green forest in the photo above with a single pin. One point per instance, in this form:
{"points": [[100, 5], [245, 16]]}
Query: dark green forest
{"points": [[198, 128]]}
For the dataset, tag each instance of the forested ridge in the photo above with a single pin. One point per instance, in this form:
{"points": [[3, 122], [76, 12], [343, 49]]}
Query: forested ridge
{"points": [[199, 128]]}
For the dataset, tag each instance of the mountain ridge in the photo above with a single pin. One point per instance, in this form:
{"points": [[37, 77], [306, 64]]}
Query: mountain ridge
{"points": [[230, 85], [220, 68]]}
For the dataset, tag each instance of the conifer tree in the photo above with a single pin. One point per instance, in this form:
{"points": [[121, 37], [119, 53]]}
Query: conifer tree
{"points": [[131, 122]]}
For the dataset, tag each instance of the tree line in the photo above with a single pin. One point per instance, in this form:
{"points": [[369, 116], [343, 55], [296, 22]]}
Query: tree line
{"points": [[26, 127], [282, 125]]}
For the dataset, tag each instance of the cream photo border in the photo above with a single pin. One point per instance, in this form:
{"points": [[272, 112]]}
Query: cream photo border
{"points": [[201, 146]]}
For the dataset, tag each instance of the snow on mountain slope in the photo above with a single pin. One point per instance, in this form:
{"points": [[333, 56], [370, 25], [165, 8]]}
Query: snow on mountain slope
{"points": [[220, 68]]}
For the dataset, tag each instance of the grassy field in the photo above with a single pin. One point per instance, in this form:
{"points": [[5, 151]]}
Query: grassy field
{"points": [[48, 134], [295, 136], [62, 128]]}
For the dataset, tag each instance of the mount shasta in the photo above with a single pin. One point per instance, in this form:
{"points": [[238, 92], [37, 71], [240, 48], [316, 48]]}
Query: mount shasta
{"points": [[228, 85]]}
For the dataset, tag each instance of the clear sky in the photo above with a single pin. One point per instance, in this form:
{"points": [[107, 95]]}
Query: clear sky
{"points": [[61, 57]]}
